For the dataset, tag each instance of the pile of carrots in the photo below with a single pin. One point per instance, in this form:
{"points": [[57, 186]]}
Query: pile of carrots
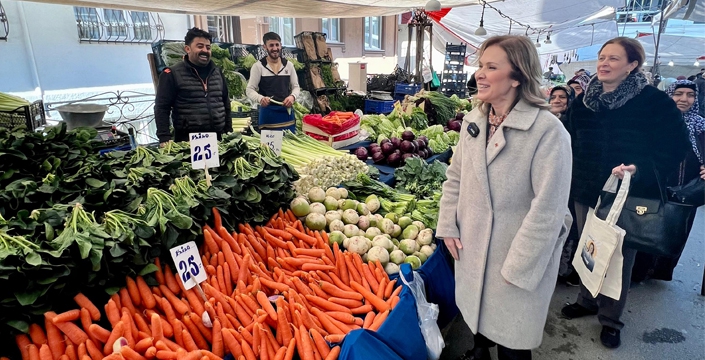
{"points": [[319, 295], [339, 118]]}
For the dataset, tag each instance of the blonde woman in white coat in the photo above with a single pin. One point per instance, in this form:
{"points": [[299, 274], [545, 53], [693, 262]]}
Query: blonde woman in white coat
{"points": [[504, 210]]}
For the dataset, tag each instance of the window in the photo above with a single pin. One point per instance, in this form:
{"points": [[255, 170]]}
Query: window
{"points": [[373, 33], [331, 27], [110, 25], [115, 22], [142, 30], [285, 28], [88, 24]]}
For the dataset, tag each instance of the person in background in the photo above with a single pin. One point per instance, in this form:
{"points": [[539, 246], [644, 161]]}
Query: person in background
{"points": [[620, 124], [274, 85], [579, 83], [560, 99], [472, 85], [685, 94], [682, 77], [665, 83], [504, 209], [193, 93], [549, 74], [700, 83]]}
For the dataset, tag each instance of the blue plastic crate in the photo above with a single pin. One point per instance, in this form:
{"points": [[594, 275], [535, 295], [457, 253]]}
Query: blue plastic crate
{"points": [[406, 89], [379, 106]]}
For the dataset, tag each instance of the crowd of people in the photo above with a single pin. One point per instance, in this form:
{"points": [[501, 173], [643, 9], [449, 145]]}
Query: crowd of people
{"points": [[526, 181]]}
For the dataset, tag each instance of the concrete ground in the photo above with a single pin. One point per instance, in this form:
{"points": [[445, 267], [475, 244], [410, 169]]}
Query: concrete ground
{"points": [[664, 320]]}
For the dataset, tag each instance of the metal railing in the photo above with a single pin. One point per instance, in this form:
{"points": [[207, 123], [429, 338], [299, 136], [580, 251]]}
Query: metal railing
{"points": [[4, 24], [126, 109], [118, 26]]}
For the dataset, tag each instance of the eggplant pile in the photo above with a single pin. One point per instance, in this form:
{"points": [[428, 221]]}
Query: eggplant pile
{"points": [[395, 151], [455, 123]]}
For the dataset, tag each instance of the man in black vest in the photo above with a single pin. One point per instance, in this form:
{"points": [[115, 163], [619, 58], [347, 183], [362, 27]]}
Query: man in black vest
{"points": [[193, 92]]}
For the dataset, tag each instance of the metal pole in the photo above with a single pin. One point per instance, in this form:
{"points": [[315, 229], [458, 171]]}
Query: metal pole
{"points": [[657, 67]]}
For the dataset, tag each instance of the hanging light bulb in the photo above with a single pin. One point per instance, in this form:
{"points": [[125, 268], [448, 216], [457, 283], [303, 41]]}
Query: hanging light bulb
{"points": [[548, 39], [433, 5], [538, 44], [696, 63], [670, 63], [481, 30]]}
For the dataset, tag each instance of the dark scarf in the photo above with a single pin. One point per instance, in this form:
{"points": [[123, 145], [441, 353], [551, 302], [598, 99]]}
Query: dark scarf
{"points": [[695, 122], [597, 100]]}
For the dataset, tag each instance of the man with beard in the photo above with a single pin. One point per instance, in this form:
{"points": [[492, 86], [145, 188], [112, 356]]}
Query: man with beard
{"points": [[193, 93], [274, 85]]}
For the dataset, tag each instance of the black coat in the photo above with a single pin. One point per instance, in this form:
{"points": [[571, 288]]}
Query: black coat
{"points": [[648, 131]]}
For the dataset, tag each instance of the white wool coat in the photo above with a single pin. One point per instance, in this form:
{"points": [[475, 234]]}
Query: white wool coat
{"points": [[507, 201]]}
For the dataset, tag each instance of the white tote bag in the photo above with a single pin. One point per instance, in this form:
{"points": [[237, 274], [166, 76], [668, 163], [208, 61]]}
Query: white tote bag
{"points": [[598, 259]]}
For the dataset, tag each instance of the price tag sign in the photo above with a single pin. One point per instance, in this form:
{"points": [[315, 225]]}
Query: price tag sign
{"points": [[204, 150], [273, 139], [188, 264]]}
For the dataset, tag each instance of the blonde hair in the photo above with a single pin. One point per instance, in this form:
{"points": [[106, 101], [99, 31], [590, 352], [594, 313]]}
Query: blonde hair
{"points": [[526, 68]]}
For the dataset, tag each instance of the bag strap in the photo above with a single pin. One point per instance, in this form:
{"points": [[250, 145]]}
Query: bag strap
{"points": [[620, 199]]}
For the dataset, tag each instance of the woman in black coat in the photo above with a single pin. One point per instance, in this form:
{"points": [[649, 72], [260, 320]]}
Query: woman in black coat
{"points": [[620, 124]]}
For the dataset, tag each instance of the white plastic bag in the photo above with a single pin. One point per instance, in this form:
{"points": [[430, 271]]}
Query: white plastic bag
{"points": [[428, 315]]}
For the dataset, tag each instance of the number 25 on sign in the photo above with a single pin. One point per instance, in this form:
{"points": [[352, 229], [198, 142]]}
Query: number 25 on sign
{"points": [[188, 264], [204, 150]]}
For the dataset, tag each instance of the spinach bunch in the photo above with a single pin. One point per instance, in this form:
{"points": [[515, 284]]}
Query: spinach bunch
{"points": [[420, 178]]}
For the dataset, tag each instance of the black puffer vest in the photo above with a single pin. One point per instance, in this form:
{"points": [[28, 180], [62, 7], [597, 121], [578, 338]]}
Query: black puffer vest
{"points": [[199, 105]]}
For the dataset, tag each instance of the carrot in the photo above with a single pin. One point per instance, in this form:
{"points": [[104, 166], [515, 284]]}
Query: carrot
{"points": [[93, 350], [348, 303], [379, 319], [371, 298], [334, 353], [206, 332], [266, 305], [390, 288], [55, 339], [99, 333], [71, 351], [82, 301], [194, 333], [326, 305], [71, 315], [144, 344], [130, 354], [175, 302], [395, 293], [151, 352], [369, 276], [314, 267], [279, 355], [308, 239], [33, 352], [133, 290], [218, 345], [37, 335], [23, 344], [81, 350], [232, 344], [343, 317], [209, 242], [336, 291], [170, 280], [45, 353], [74, 333], [306, 344], [320, 343], [145, 294], [394, 301], [247, 350], [131, 332], [166, 355], [362, 309], [381, 288], [326, 322], [118, 332]]}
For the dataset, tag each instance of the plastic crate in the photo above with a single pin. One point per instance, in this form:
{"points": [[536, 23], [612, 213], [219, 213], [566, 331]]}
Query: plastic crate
{"points": [[32, 116], [406, 89], [379, 106]]}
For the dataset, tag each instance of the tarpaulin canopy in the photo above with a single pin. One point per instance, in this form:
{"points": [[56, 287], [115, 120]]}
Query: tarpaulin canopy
{"points": [[251, 8], [571, 24], [680, 49], [693, 10]]}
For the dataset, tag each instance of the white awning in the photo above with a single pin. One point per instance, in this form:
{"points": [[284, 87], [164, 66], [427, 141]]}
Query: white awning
{"points": [[682, 50], [285, 8], [571, 24]]}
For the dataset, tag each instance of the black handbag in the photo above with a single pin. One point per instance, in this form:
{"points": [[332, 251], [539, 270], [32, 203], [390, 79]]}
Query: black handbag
{"points": [[692, 193], [653, 226]]}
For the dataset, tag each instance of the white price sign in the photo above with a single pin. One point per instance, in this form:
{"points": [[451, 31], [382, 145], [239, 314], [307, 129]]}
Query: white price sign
{"points": [[188, 264], [204, 150], [273, 139]]}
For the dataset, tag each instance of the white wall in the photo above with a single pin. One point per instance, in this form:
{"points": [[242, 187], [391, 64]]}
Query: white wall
{"points": [[46, 35]]}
